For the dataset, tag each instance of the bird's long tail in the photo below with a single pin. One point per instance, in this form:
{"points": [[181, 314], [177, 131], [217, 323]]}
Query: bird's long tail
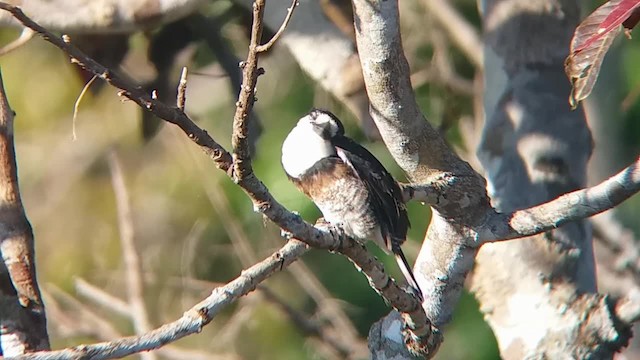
{"points": [[406, 268]]}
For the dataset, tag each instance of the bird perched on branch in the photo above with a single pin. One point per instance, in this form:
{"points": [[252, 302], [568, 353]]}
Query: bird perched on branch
{"points": [[350, 186]]}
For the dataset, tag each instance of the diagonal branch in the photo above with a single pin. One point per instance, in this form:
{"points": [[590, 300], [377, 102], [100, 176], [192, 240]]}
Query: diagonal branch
{"points": [[573, 206], [136, 94], [193, 319]]}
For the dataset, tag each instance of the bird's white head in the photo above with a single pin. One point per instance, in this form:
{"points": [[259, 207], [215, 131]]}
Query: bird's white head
{"points": [[310, 141]]}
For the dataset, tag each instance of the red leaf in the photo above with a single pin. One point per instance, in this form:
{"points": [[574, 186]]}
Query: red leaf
{"points": [[592, 40], [618, 11]]}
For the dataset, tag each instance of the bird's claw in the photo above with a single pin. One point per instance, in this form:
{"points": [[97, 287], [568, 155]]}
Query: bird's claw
{"points": [[336, 231]]}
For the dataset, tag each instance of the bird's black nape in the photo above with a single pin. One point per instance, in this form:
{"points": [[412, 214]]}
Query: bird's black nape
{"points": [[315, 112]]}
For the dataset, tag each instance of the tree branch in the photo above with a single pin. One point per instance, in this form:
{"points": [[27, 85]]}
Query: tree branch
{"points": [[276, 36], [135, 283], [25, 325], [566, 208], [193, 319], [173, 115]]}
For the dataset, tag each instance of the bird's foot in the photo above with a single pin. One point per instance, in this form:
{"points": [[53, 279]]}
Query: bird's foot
{"points": [[336, 231]]}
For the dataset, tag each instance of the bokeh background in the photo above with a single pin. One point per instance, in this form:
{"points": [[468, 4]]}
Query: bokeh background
{"points": [[194, 228]]}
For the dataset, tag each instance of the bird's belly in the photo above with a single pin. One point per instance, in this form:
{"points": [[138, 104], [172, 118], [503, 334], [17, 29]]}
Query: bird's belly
{"points": [[345, 203]]}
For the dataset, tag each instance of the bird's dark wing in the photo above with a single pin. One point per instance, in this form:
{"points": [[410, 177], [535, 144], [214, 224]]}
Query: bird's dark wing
{"points": [[386, 196]]}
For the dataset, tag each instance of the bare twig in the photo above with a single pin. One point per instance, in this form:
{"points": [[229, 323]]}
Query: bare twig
{"points": [[101, 297], [182, 89], [135, 282], [575, 205], [80, 320], [246, 98], [76, 106], [25, 36], [276, 36], [28, 321], [193, 319]]}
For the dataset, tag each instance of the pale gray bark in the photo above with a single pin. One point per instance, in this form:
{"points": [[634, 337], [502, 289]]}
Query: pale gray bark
{"points": [[534, 148]]}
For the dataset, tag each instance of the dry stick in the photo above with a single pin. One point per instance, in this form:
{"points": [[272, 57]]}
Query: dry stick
{"points": [[182, 89], [27, 327], [76, 106], [133, 266], [102, 298], [246, 98], [80, 319], [193, 319], [276, 36]]}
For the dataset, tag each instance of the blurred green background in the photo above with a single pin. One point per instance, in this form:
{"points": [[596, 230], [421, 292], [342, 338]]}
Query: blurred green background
{"points": [[193, 226]]}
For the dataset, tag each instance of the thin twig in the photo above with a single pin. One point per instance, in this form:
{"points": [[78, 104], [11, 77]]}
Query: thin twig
{"points": [[276, 36], [82, 321], [101, 297], [135, 282], [246, 98], [25, 36], [182, 89], [76, 106]]}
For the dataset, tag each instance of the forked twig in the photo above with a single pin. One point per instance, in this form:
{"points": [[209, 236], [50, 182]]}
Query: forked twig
{"points": [[276, 36]]}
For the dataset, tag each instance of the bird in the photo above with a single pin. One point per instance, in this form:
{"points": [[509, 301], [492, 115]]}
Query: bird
{"points": [[352, 189]]}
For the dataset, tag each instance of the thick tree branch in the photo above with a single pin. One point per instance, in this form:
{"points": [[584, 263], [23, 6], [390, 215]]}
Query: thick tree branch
{"points": [[566, 208], [23, 320], [445, 258]]}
